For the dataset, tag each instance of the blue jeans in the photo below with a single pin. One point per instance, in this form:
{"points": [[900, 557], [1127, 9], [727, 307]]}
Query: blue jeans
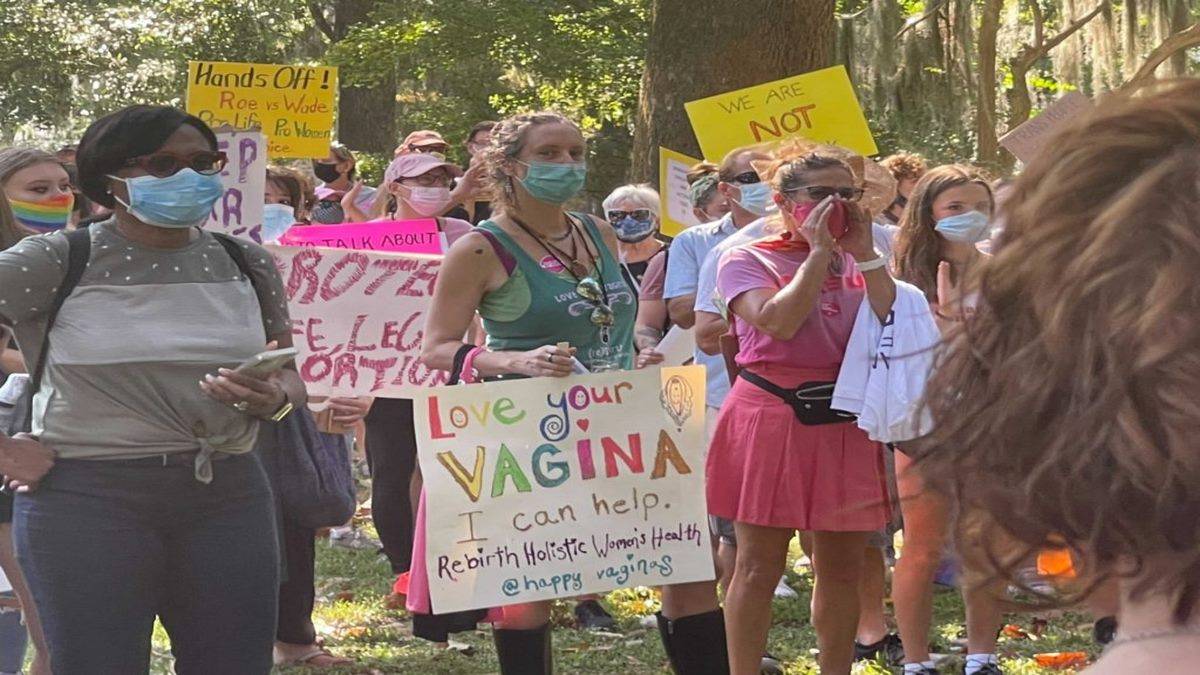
{"points": [[12, 639], [107, 546]]}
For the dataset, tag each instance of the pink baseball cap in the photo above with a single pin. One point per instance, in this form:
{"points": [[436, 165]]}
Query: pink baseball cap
{"points": [[415, 164]]}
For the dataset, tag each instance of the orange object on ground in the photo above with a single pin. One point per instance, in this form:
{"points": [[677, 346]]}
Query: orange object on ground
{"points": [[1061, 659], [1056, 562]]}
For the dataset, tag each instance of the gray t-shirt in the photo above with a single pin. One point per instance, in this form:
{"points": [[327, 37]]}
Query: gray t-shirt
{"points": [[135, 337]]}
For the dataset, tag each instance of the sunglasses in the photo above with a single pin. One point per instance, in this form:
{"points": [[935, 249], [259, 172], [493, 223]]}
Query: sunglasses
{"points": [[602, 315], [430, 149], [747, 178], [615, 217], [164, 164], [818, 192]]}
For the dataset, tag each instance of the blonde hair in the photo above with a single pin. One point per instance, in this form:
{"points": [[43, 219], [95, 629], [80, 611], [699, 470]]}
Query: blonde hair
{"points": [[508, 139], [1067, 407], [918, 245]]}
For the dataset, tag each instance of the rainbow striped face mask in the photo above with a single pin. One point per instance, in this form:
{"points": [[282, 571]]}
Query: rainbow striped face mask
{"points": [[47, 215]]}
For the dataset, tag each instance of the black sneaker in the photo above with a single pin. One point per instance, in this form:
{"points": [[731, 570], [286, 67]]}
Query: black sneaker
{"points": [[987, 669], [927, 671], [890, 647], [770, 666], [591, 616]]}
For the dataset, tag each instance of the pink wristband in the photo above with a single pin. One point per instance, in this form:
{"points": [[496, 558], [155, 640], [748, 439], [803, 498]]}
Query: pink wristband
{"points": [[468, 375]]}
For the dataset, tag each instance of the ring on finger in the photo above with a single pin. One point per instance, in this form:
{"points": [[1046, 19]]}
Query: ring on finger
{"points": [[550, 358], [241, 406]]}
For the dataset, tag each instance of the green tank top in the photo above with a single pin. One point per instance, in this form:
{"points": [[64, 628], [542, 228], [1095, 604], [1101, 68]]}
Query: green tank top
{"points": [[539, 306]]}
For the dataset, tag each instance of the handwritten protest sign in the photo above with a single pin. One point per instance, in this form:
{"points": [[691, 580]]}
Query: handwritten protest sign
{"points": [[293, 105], [676, 204], [357, 319], [820, 105], [239, 211], [403, 236], [1028, 139], [549, 488]]}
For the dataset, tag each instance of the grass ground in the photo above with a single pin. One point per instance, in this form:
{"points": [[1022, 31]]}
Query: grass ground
{"points": [[354, 622]]}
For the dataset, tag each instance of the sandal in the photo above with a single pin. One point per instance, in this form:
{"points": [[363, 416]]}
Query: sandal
{"points": [[319, 658]]}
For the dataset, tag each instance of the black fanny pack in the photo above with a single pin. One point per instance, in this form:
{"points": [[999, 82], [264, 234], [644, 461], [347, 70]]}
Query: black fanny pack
{"points": [[810, 401]]}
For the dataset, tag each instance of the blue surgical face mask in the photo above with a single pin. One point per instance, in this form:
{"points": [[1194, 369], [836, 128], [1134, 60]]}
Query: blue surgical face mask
{"points": [[553, 182], [277, 219], [180, 201], [965, 228], [755, 198], [631, 230]]}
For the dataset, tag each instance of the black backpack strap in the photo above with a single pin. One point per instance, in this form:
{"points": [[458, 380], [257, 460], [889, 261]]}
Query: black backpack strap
{"points": [[234, 248], [79, 252]]}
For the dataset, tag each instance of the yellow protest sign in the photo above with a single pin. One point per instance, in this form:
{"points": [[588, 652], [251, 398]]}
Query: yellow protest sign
{"points": [[820, 105], [293, 105], [675, 203]]}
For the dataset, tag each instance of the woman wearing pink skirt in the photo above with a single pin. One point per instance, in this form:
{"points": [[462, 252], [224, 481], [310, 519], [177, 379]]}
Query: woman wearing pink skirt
{"points": [[774, 468]]}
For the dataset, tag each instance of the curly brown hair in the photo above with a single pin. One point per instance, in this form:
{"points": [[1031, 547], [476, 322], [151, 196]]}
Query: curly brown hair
{"points": [[918, 245], [1067, 407], [905, 166], [508, 139]]}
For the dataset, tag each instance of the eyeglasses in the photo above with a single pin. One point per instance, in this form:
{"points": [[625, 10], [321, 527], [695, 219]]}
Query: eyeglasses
{"points": [[747, 178], [818, 192], [164, 164], [602, 314], [427, 180], [429, 149], [615, 217]]}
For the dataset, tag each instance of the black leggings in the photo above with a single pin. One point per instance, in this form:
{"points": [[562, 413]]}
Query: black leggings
{"points": [[392, 457]]}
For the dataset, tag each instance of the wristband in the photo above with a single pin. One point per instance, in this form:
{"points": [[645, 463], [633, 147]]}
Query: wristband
{"points": [[469, 374], [872, 264]]}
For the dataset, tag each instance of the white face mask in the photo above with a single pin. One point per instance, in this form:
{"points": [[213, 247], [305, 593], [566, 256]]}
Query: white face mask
{"points": [[427, 201]]}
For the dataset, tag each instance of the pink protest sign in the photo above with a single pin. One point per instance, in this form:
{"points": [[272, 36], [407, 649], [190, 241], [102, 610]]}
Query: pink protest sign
{"points": [[396, 236]]}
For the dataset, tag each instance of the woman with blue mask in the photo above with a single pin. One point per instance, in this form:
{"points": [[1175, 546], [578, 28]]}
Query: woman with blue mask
{"points": [[632, 211], [539, 275], [156, 505], [937, 249]]}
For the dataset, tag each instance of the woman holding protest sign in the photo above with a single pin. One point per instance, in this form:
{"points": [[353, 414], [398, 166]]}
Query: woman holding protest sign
{"points": [[548, 286], [419, 185], [154, 480], [948, 215], [793, 300], [287, 199]]}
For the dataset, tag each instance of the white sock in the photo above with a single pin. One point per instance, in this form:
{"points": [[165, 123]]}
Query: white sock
{"points": [[911, 668], [977, 661]]}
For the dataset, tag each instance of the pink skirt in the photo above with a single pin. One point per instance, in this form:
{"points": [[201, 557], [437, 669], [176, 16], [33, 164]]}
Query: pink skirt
{"points": [[765, 468], [415, 583]]}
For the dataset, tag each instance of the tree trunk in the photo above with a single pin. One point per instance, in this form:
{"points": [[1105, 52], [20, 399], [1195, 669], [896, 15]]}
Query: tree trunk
{"points": [[702, 48], [985, 110], [366, 115], [1178, 43]]}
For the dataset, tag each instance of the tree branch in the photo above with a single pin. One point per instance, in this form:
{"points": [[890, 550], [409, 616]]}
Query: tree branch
{"points": [[913, 23], [1184, 39], [1039, 23], [323, 25]]}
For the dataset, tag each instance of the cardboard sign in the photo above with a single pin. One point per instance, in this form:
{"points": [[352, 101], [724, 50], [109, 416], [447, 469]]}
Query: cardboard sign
{"points": [[1027, 140], [293, 105], [550, 488], [820, 105], [358, 318], [399, 236], [239, 211], [676, 202]]}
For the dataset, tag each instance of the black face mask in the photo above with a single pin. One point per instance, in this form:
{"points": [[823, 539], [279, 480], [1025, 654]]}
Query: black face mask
{"points": [[326, 172]]}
